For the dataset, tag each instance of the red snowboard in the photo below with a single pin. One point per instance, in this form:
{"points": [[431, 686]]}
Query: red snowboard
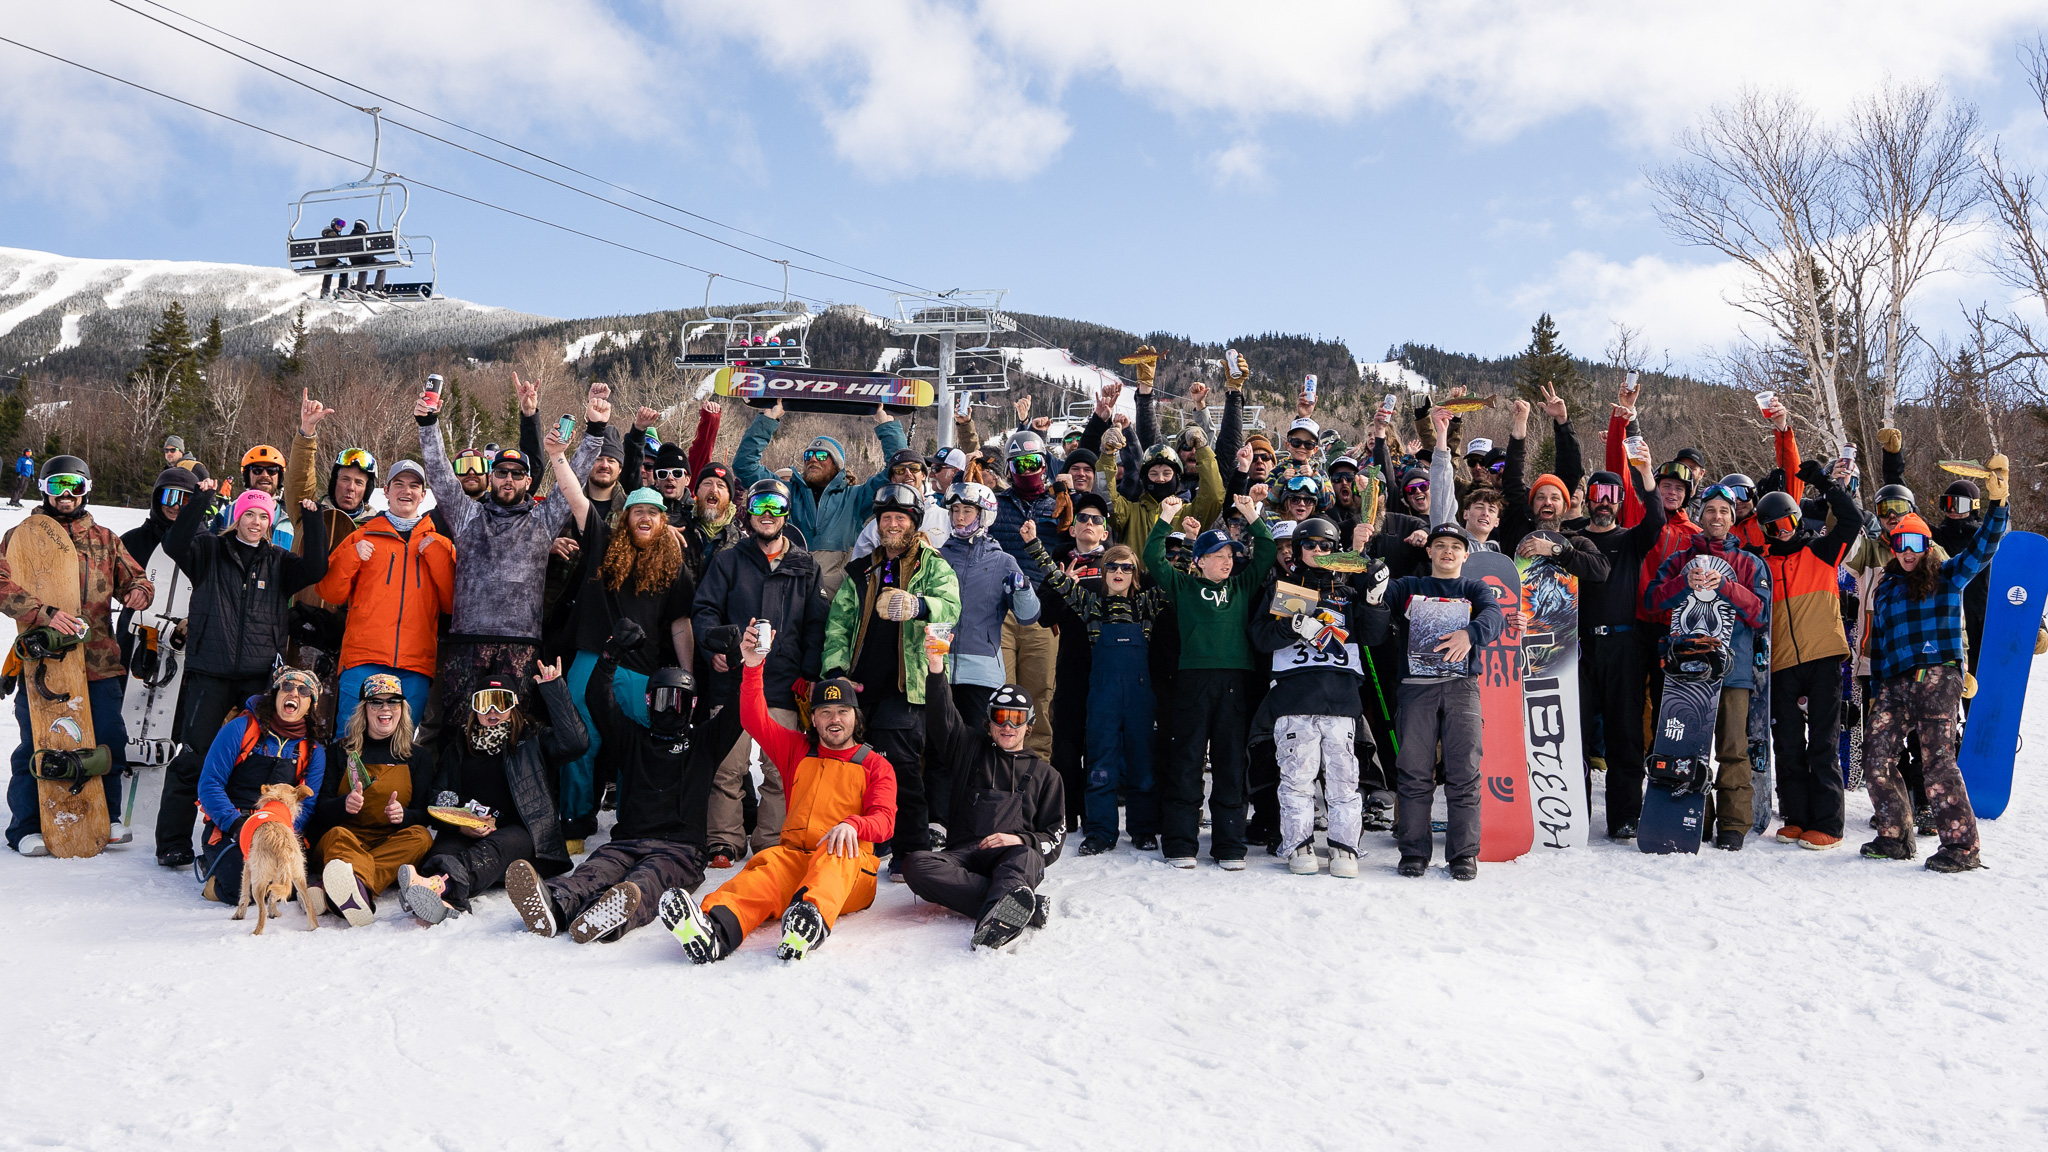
{"points": [[1507, 828]]}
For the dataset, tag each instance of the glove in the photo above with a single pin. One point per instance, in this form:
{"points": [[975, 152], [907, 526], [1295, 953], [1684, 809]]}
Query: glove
{"points": [[1016, 582], [1376, 582], [895, 605], [1851, 714], [1235, 383], [723, 640], [935, 833], [1112, 442], [1305, 626], [1890, 440], [1145, 371], [1969, 686], [626, 636], [1996, 485], [1812, 472]]}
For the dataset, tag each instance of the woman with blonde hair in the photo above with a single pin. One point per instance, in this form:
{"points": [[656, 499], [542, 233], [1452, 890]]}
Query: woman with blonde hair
{"points": [[371, 818]]}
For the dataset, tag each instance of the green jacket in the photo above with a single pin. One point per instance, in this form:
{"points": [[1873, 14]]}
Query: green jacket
{"points": [[1214, 618], [1131, 519], [847, 625]]}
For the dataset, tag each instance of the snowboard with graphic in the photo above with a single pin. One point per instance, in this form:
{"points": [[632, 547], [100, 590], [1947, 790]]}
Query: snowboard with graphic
{"points": [[1680, 765], [1506, 830], [2012, 619], [157, 666], [1550, 703]]}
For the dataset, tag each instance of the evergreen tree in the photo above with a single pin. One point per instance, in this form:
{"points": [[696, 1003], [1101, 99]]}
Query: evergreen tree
{"points": [[170, 352], [292, 360], [210, 347], [1546, 362], [13, 414]]}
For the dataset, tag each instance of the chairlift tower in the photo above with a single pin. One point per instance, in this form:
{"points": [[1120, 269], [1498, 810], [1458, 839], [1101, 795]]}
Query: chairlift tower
{"points": [[948, 316]]}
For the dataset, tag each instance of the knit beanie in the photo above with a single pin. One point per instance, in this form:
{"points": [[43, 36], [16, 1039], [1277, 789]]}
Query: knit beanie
{"points": [[832, 447], [253, 498], [1547, 479]]}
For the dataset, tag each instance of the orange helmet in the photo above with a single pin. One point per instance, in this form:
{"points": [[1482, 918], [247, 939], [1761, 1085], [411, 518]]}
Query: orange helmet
{"points": [[262, 454]]}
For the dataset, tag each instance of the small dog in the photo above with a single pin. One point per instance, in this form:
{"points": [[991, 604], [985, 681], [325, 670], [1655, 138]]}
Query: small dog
{"points": [[274, 865]]}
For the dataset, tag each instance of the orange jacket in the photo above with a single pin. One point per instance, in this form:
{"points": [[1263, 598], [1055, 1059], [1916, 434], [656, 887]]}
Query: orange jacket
{"points": [[823, 787], [395, 598]]}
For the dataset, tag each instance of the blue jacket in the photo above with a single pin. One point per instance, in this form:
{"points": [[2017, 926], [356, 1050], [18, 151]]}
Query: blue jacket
{"points": [[1906, 633], [1006, 531], [226, 752], [24, 466], [830, 519], [991, 587]]}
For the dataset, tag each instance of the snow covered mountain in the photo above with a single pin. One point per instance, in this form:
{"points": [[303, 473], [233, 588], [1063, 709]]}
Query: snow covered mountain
{"points": [[60, 313]]}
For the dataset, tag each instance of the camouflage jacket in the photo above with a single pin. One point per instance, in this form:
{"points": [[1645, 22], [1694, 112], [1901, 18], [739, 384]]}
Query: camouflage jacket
{"points": [[105, 571]]}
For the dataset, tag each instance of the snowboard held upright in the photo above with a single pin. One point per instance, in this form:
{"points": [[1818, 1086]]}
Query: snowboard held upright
{"points": [[1506, 827], [2012, 619], [68, 762], [1680, 765]]}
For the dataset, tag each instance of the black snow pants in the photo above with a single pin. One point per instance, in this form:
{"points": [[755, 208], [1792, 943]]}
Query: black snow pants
{"points": [[653, 866], [971, 880]]}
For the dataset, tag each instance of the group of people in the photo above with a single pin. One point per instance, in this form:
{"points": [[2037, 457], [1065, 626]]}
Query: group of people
{"points": [[949, 666]]}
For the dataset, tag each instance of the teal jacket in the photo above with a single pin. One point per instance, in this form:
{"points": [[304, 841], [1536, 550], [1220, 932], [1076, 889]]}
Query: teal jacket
{"points": [[830, 519], [1214, 618]]}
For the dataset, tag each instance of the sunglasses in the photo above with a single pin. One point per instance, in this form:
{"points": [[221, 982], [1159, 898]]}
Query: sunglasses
{"points": [[172, 497], [384, 701], [1304, 445], [1417, 486], [1894, 507], [1119, 566], [1265, 456], [66, 484], [1909, 542], [295, 688], [671, 473], [1027, 462], [508, 471], [493, 700], [264, 470], [1090, 518], [1604, 493], [1318, 545], [1010, 718], [471, 465], [1343, 477], [811, 454], [915, 468], [357, 458], [768, 504]]}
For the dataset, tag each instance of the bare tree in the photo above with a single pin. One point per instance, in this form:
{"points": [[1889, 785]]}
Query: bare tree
{"points": [[229, 385]]}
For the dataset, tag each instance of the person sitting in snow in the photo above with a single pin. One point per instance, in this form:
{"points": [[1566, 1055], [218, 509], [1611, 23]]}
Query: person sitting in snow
{"points": [[842, 799], [276, 741]]}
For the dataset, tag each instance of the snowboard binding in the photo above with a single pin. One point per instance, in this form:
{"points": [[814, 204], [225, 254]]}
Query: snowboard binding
{"points": [[47, 643], [76, 766], [1698, 659]]}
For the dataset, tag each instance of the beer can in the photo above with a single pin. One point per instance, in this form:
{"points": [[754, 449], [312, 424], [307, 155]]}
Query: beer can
{"points": [[764, 637], [1308, 387]]}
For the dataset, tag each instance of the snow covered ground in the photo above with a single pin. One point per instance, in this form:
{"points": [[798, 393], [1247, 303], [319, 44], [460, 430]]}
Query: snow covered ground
{"points": [[1772, 999]]}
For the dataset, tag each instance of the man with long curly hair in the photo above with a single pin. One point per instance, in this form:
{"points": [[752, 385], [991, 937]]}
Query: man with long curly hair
{"points": [[631, 571]]}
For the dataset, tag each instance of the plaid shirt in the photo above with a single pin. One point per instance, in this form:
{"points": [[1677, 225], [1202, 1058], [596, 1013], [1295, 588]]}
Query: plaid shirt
{"points": [[1905, 633]]}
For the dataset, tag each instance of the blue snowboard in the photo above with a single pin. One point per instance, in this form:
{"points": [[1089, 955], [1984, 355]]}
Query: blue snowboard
{"points": [[2012, 617]]}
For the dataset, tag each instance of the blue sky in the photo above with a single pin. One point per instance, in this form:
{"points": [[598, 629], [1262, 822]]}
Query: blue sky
{"points": [[1376, 172]]}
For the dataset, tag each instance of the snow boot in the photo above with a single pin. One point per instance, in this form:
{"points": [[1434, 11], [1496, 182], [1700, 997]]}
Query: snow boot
{"points": [[1923, 820], [32, 845], [1623, 834], [1465, 868], [1343, 862], [1234, 864], [724, 857], [1949, 862], [175, 857], [1096, 847], [119, 833], [1790, 834], [1181, 861], [607, 915], [1818, 841], [1145, 843], [691, 927], [1889, 848], [423, 895], [1042, 910], [1414, 865], [531, 897], [803, 929], [1379, 812], [351, 896], [1728, 839], [1006, 921], [1303, 861]]}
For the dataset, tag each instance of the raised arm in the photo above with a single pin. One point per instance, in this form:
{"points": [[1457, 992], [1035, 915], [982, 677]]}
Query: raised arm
{"points": [[448, 493]]}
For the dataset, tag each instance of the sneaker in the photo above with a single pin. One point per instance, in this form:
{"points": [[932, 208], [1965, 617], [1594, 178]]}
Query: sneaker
{"points": [[316, 898], [896, 874], [1303, 861], [1728, 839], [119, 833], [1414, 865], [175, 858], [32, 845], [1923, 820], [1235, 864], [1465, 868], [352, 896], [1952, 862], [422, 894], [691, 927], [1181, 861], [724, 857], [1790, 834], [1007, 920], [1145, 843], [1623, 834], [607, 916], [1818, 841], [1096, 847], [803, 929], [1888, 848], [1343, 863], [1043, 911], [530, 896]]}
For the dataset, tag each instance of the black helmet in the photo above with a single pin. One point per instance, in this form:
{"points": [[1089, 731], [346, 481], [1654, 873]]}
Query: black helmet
{"points": [[671, 694], [1011, 696], [1315, 528], [1155, 455], [1893, 493], [767, 486], [1023, 442], [899, 498], [61, 465], [1776, 506]]}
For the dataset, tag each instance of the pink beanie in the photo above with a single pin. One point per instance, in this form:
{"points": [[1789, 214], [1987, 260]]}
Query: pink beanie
{"points": [[253, 498]]}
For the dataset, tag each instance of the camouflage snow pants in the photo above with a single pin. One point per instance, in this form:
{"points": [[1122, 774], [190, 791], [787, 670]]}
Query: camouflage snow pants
{"points": [[1924, 700]]}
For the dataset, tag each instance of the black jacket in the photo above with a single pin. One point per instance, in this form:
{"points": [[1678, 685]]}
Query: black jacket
{"points": [[992, 790], [659, 797], [530, 770], [1612, 602], [737, 587], [1326, 681], [240, 613]]}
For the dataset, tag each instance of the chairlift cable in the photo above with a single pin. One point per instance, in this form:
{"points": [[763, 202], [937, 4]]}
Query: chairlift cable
{"points": [[507, 144], [422, 183]]}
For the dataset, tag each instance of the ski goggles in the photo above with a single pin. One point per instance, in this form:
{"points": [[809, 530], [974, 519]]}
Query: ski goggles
{"points": [[671, 473], [357, 458], [1781, 527], [768, 504], [1894, 506], [65, 484], [1680, 471], [666, 700], [381, 688], [1009, 717], [1027, 462], [172, 497], [1090, 518], [1740, 493], [1306, 486], [493, 700], [1958, 505], [470, 462], [1909, 542], [1724, 492], [1604, 493]]}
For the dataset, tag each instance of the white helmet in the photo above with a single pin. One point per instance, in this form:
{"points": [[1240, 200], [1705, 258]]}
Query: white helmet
{"points": [[980, 496]]}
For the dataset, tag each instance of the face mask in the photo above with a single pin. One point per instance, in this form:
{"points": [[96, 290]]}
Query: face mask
{"points": [[1029, 485], [1161, 489]]}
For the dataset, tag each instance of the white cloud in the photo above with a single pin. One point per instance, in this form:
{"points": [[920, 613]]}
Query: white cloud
{"points": [[1680, 308], [1242, 163], [903, 83]]}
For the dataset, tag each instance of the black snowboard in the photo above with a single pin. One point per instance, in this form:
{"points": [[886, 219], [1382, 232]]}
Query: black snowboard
{"points": [[1680, 765]]}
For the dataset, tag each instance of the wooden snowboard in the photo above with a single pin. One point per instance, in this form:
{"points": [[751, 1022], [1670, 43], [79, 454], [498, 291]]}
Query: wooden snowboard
{"points": [[74, 820]]}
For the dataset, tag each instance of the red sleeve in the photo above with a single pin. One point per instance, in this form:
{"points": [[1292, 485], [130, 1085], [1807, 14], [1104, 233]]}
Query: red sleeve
{"points": [[784, 747], [706, 441], [1745, 600], [1614, 458], [1788, 459], [877, 819]]}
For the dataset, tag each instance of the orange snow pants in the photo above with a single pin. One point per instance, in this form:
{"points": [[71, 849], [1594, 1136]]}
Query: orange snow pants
{"points": [[774, 876]]}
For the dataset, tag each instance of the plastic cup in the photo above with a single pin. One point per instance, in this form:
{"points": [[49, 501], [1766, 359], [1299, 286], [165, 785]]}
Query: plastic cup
{"points": [[1767, 404], [941, 636], [1637, 449]]}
